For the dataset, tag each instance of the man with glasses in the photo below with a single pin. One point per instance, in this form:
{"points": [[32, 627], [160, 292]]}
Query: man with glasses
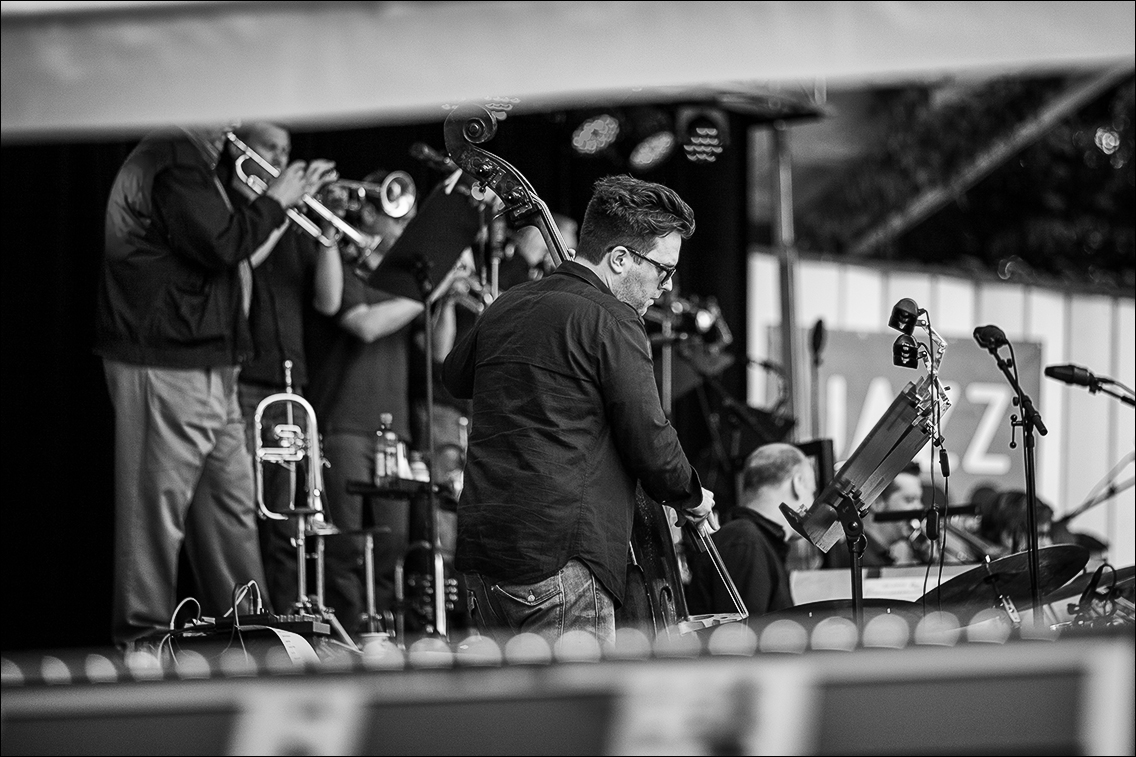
{"points": [[566, 419]]}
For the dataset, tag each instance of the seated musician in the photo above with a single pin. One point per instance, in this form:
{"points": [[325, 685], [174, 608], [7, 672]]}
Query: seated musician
{"points": [[888, 542], [754, 540], [566, 419]]}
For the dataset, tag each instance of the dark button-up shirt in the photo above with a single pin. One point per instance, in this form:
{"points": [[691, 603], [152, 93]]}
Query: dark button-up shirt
{"points": [[282, 288], [566, 418], [754, 550]]}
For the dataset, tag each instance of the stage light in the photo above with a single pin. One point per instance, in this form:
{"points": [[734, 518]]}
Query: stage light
{"points": [[596, 133], [652, 139], [905, 352], [704, 133], [904, 315]]}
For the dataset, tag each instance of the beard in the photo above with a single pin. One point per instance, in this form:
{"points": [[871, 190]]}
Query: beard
{"points": [[631, 292]]}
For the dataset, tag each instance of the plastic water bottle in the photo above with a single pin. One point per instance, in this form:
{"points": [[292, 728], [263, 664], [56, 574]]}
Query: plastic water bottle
{"points": [[418, 469], [386, 451]]}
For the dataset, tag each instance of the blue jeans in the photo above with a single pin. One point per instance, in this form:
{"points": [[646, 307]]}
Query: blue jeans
{"points": [[570, 600]]}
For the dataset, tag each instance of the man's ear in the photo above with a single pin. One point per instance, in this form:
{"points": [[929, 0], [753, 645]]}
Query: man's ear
{"points": [[800, 485], [795, 486], [617, 259]]}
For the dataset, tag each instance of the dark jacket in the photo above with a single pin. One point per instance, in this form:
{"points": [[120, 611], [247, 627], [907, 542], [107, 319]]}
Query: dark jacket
{"points": [[170, 293], [566, 418]]}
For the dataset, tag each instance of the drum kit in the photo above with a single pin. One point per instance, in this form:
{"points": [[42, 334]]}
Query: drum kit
{"points": [[1100, 598]]}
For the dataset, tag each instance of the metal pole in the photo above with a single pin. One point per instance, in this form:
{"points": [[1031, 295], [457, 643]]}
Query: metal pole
{"points": [[784, 241]]}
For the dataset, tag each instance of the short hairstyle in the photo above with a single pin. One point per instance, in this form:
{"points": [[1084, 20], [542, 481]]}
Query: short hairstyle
{"points": [[626, 210], [770, 465], [911, 469], [1007, 515]]}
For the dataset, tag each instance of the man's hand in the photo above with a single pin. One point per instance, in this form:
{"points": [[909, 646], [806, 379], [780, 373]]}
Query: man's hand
{"points": [[458, 271], [300, 179], [703, 517]]}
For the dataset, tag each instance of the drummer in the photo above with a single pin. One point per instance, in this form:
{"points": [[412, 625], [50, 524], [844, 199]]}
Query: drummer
{"points": [[1004, 520]]}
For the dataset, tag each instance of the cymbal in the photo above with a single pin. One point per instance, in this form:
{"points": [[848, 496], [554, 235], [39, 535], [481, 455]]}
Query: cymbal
{"points": [[812, 613], [979, 588], [1076, 587]]}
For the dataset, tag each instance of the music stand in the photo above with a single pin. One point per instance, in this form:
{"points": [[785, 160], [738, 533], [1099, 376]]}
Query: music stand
{"points": [[903, 430], [419, 260]]}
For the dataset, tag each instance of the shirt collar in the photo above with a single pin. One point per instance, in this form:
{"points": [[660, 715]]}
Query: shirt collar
{"points": [[572, 268], [771, 527]]}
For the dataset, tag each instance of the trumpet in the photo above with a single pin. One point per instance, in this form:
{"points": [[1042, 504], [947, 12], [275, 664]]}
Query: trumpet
{"points": [[395, 194], [362, 240]]}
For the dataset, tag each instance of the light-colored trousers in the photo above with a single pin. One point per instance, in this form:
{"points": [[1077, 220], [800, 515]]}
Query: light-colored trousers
{"points": [[182, 475]]}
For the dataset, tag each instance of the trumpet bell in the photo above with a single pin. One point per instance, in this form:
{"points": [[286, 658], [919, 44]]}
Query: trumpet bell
{"points": [[397, 194], [394, 193]]}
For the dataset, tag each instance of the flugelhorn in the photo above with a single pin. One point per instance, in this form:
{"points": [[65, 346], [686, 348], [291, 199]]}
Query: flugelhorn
{"points": [[361, 239], [295, 444]]}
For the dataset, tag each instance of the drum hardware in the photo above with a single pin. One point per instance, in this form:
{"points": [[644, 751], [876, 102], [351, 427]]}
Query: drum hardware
{"points": [[1120, 580], [415, 597], [1104, 597], [1005, 583]]}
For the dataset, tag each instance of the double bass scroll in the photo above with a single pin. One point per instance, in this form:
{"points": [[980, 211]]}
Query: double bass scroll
{"points": [[470, 125]]}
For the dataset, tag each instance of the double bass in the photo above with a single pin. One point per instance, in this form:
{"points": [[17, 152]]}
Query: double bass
{"points": [[654, 599]]}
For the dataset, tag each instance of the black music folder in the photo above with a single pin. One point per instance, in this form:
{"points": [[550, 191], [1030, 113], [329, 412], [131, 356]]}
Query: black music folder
{"points": [[445, 225]]}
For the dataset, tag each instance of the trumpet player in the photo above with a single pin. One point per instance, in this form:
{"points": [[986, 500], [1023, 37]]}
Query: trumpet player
{"points": [[292, 271], [172, 330], [358, 363]]}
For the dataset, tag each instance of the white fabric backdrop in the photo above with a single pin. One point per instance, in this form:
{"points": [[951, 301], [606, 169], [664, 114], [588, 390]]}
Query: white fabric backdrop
{"points": [[92, 67]]}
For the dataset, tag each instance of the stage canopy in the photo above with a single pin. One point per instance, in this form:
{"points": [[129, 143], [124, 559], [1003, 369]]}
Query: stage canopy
{"points": [[107, 68]]}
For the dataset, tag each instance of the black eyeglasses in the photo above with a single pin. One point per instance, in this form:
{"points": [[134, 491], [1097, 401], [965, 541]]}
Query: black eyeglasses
{"points": [[665, 271]]}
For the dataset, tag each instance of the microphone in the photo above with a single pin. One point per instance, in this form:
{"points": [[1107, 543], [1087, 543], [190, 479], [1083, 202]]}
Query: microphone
{"points": [[431, 157], [1084, 604], [818, 340], [990, 337], [1072, 374]]}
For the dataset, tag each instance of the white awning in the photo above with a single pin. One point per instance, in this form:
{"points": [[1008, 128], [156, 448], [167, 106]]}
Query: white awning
{"points": [[95, 68]]}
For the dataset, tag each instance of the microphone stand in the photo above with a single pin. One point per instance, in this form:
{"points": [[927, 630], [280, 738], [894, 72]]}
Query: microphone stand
{"points": [[1030, 419], [426, 287], [848, 512], [1098, 385]]}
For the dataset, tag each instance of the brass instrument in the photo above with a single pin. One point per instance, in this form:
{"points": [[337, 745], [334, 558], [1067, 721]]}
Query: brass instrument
{"points": [[294, 445], [470, 293], [395, 194], [365, 242]]}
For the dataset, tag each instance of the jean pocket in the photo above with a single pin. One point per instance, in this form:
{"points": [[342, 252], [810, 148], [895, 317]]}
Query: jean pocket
{"points": [[531, 595]]}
